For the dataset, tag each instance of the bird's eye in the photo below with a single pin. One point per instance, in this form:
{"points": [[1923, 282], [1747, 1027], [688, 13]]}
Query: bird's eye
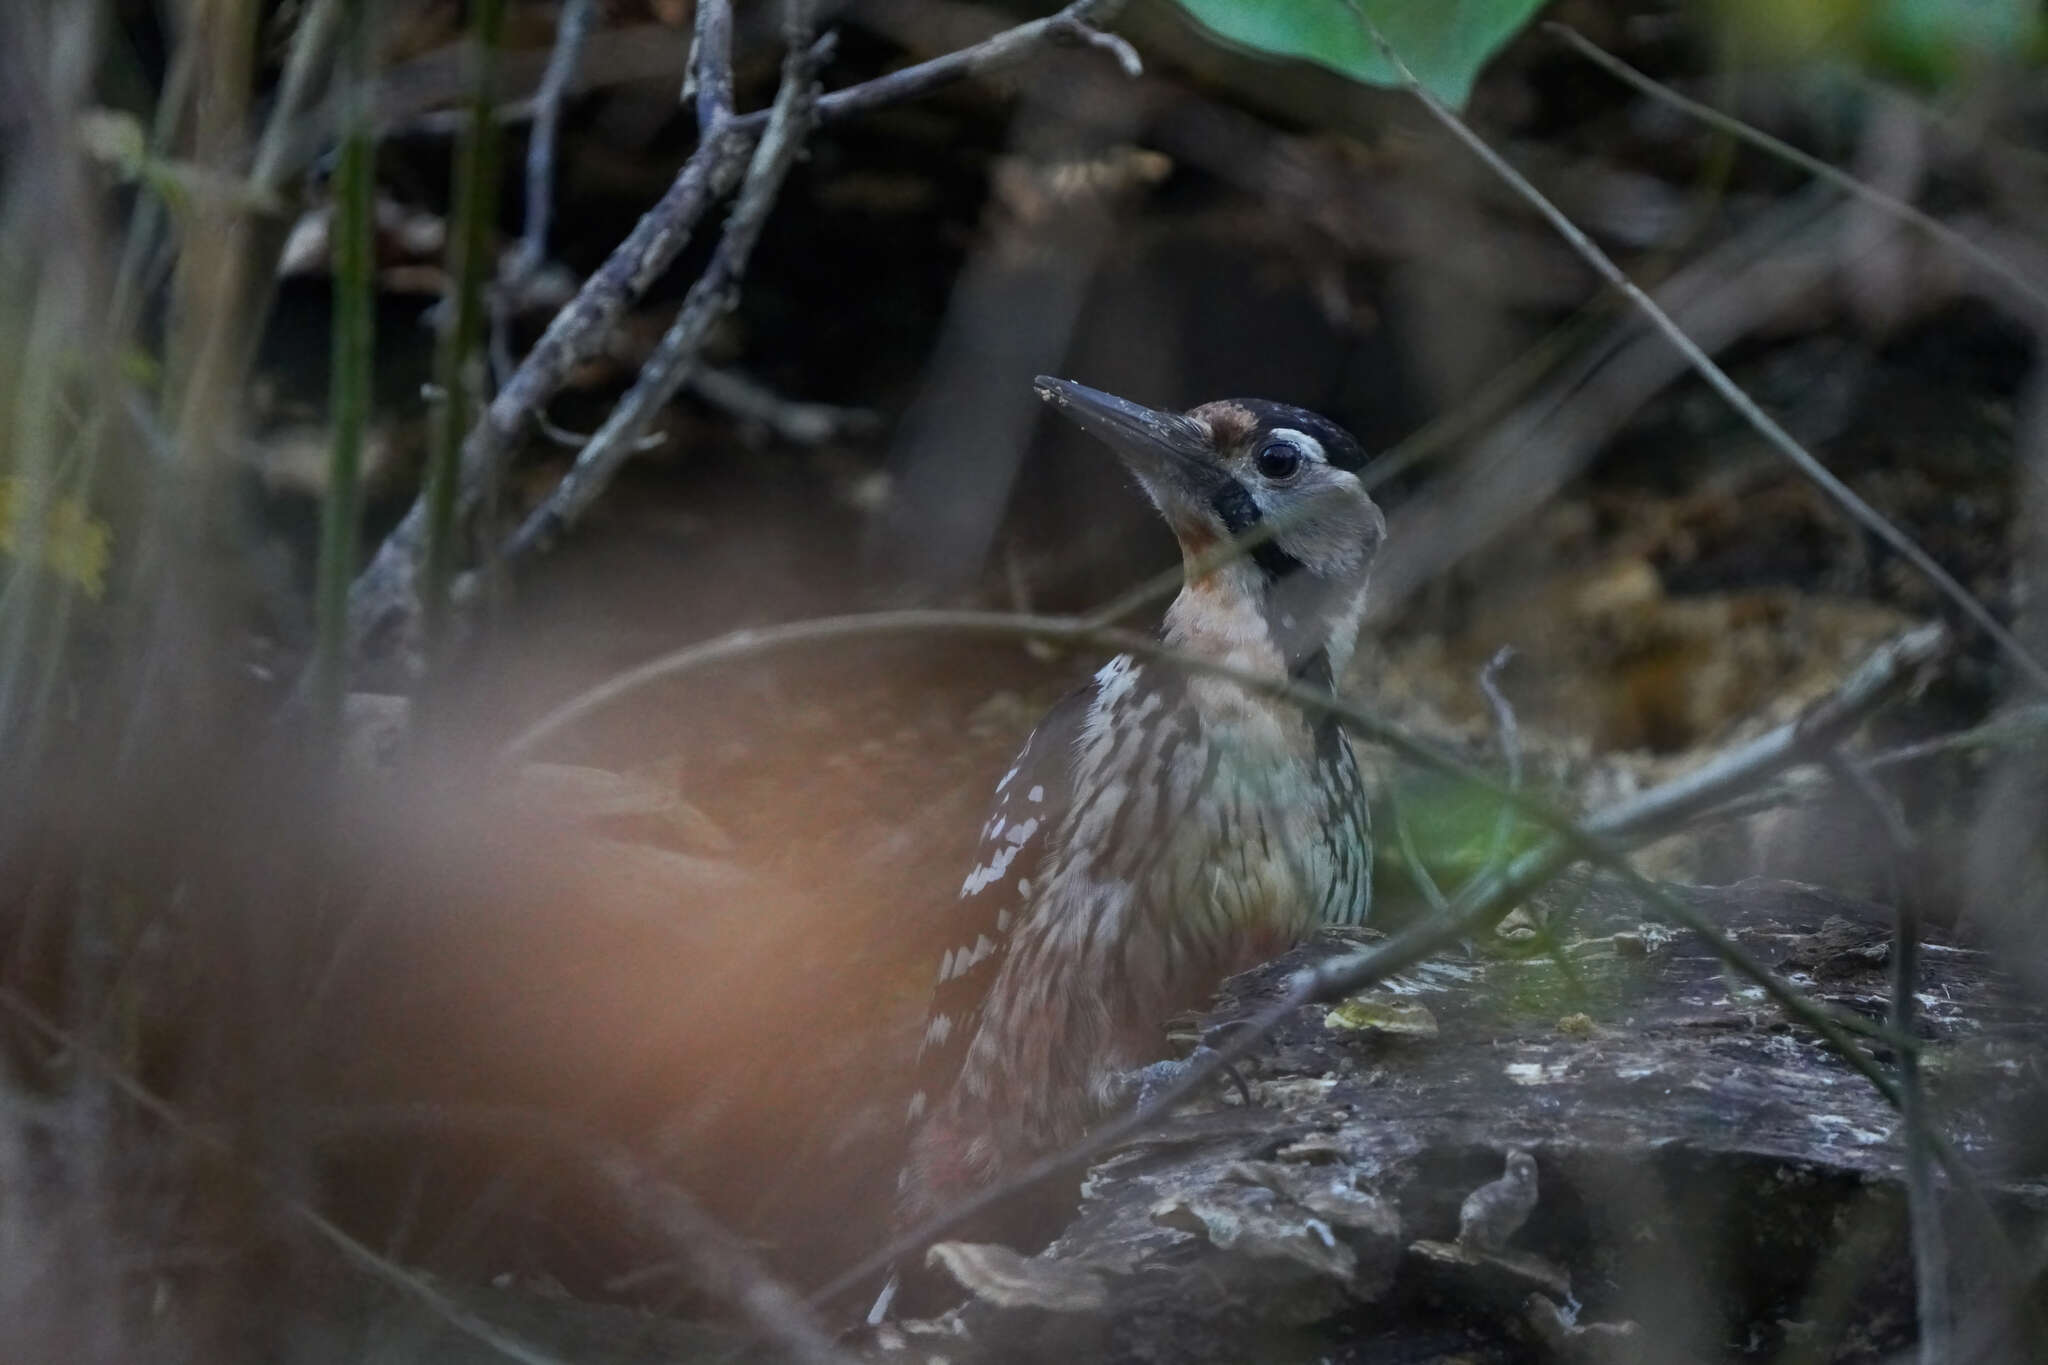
{"points": [[1278, 462]]}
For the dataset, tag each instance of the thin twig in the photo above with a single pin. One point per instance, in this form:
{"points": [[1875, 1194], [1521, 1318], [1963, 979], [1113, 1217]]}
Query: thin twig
{"points": [[711, 64], [571, 29], [382, 602], [1076, 23], [318, 30], [381, 1267], [1923, 1203], [789, 418], [710, 298], [2025, 725], [1862, 512], [1734, 127], [1510, 749], [1418, 871], [2022, 725]]}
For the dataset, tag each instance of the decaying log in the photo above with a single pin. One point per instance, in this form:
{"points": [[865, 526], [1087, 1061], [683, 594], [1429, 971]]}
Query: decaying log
{"points": [[1713, 1181]]}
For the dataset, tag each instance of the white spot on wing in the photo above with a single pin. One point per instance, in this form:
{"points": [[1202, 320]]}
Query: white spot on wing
{"points": [[1035, 794], [937, 1031], [990, 872]]}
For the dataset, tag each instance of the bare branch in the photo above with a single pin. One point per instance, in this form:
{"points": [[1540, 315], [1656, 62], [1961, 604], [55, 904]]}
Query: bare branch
{"points": [[382, 604], [791, 419], [1923, 1204], [1076, 23], [2011, 730], [1126, 56], [711, 64], [315, 38], [710, 298], [1510, 749], [1867, 516], [2021, 725], [571, 30]]}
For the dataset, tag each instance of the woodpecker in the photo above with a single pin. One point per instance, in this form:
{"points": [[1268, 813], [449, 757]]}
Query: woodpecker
{"points": [[1161, 829]]}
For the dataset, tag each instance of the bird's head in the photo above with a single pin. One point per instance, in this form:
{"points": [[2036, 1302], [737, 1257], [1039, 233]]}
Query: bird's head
{"points": [[1278, 478]]}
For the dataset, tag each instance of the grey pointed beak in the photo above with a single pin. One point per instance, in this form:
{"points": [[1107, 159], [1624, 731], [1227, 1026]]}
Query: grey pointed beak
{"points": [[1169, 453]]}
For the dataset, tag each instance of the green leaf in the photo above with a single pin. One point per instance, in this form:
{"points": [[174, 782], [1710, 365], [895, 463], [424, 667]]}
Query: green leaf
{"points": [[1444, 42]]}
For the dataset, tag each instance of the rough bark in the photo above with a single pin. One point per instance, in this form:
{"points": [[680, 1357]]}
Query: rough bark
{"points": [[1708, 1174]]}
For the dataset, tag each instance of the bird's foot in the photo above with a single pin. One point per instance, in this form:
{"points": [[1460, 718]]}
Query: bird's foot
{"points": [[1146, 1084]]}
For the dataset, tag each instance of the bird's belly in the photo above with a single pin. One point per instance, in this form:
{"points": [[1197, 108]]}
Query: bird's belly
{"points": [[1234, 888]]}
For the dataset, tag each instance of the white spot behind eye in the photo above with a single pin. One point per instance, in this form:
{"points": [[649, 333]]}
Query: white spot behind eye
{"points": [[1301, 441]]}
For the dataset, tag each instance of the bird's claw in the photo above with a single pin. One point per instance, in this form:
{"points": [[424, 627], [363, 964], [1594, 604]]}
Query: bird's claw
{"points": [[1146, 1084]]}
